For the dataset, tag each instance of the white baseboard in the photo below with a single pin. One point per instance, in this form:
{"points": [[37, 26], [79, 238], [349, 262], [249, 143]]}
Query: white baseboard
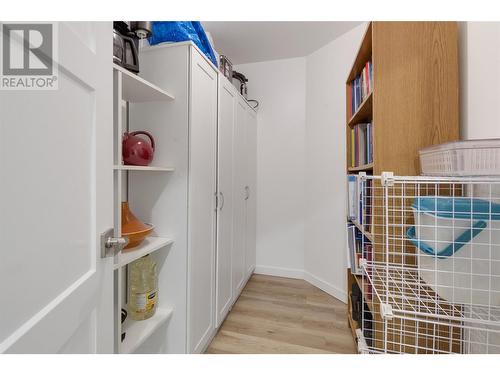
{"points": [[279, 271], [326, 287]]}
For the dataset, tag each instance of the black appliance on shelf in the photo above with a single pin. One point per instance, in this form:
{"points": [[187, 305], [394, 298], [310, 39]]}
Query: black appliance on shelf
{"points": [[243, 83], [126, 36]]}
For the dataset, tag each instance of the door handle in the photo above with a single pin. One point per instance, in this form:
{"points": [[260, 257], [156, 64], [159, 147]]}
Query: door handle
{"points": [[221, 200], [247, 193], [110, 246]]}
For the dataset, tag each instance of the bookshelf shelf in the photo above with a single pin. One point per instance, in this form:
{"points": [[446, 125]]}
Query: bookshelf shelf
{"points": [[401, 110], [367, 234], [361, 168], [353, 325], [364, 112]]}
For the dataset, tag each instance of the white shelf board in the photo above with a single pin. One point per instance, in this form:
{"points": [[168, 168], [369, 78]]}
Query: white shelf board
{"points": [[141, 168], [138, 331], [137, 90], [149, 245]]}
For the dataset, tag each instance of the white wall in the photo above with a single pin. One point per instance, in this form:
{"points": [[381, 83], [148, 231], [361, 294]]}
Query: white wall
{"points": [[325, 216], [301, 163], [280, 88], [480, 79]]}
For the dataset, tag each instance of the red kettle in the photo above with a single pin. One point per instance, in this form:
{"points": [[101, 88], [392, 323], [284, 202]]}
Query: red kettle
{"points": [[136, 150]]}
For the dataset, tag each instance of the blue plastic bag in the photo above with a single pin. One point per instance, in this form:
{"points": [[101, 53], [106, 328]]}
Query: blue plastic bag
{"points": [[181, 31]]}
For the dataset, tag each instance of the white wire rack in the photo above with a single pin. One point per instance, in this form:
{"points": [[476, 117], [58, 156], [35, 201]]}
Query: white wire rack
{"points": [[431, 277]]}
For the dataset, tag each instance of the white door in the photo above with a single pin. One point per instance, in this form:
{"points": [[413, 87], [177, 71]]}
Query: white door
{"points": [[227, 117], [202, 190], [239, 215], [56, 199], [251, 197]]}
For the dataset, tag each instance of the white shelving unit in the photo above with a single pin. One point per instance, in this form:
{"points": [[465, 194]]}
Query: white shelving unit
{"points": [[148, 246], [137, 90], [140, 168], [138, 331], [133, 94]]}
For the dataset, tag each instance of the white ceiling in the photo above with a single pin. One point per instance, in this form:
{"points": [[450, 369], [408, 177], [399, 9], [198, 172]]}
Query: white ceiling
{"points": [[245, 42]]}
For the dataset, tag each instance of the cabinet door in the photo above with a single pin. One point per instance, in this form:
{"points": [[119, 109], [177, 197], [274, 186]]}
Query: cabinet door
{"points": [[57, 198], [251, 197], [239, 215], [227, 117], [202, 190]]}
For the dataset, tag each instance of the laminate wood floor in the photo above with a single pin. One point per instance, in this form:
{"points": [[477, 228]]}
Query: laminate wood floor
{"points": [[279, 315]]}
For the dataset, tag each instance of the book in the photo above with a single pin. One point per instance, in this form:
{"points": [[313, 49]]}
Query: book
{"points": [[349, 100], [352, 196], [351, 247], [361, 149], [360, 88]]}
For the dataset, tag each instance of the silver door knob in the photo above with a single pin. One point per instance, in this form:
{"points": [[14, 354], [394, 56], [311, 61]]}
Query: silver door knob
{"points": [[110, 246], [118, 242]]}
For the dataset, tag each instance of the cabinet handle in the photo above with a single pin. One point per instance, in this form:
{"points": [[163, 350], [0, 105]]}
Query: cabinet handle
{"points": [[247, 193], [222, 200]]}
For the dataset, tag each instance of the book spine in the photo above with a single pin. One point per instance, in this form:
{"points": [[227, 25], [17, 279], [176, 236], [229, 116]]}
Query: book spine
{"points": [[356, 146], [371, 74], [359, 93], [367, 78], [349, 107], [352, 147]]}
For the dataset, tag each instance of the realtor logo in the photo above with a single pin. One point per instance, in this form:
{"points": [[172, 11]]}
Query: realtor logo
{"points": [[28, 54]]}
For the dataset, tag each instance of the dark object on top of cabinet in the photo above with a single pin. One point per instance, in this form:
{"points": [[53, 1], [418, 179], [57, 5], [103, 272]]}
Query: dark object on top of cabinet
{"points": [[141, 29], [125, 43], [243, 83], [226, 67]]}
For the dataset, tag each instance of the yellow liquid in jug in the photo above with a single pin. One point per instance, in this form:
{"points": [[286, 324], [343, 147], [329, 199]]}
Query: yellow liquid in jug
{"points": [[143, 288]]}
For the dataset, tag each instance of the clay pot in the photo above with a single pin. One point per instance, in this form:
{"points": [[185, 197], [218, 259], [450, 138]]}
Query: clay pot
{"points": [[132, 228], [136, 150]]}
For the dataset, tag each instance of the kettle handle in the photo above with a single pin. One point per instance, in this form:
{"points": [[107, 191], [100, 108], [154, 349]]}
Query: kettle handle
{"points": [[151, 139]]}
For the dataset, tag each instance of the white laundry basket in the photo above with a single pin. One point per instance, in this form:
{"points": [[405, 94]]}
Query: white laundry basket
{"points": [[462, 158], [459, 248]]}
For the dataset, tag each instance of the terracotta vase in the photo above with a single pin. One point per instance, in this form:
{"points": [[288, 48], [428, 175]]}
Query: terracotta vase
{"points": [[132, 228]]}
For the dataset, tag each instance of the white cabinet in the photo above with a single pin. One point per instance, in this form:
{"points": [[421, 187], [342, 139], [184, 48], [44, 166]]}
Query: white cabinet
{"points": [[237, 146], [202, 189], [251, 193], [239, 193], [136, 104], [227, 117], [181, 203]]}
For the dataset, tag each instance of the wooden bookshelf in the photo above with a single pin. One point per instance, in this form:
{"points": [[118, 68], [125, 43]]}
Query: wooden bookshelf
{"points": [[414, 103]]}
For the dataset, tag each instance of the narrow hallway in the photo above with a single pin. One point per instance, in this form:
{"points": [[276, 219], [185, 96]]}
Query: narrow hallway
{"points": [[277, 315]]}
